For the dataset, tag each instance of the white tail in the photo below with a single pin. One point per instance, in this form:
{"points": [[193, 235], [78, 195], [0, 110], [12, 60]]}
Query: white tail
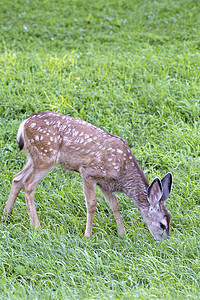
{"points": [[101, 158]]}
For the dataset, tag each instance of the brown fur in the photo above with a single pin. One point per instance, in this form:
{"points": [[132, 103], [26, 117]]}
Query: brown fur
{"points": [[101, 158]]}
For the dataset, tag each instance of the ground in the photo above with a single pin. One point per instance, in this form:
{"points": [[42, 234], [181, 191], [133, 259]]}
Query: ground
{"points": [[131, 68]]}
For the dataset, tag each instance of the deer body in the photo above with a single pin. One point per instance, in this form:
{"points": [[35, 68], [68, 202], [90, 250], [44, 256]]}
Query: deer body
{"points": [[101, 158]]}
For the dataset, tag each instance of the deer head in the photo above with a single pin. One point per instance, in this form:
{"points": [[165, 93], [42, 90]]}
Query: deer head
{"points": [[156, 215]]}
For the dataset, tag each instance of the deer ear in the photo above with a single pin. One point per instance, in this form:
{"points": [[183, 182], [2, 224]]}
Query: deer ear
{"points": [[154, 191], [166, 186]]}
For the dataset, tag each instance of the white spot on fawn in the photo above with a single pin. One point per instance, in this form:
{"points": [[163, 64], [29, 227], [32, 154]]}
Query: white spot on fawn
{"points": [[89, 140], [62, 127], [119, 151], [92, 153], [33, 125], [75, 133]]}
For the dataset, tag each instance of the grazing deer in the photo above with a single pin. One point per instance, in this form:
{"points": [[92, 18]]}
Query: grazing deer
{"points": [[101, 158]]}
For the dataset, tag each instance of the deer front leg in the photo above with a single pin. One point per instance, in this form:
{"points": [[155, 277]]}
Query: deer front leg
{"points": [[89, 188], [114, 204]]}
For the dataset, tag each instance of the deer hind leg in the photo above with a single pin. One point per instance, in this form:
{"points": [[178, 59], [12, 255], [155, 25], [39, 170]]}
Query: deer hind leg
{"points": [[17, 185], [30, 183], [114, 204]]}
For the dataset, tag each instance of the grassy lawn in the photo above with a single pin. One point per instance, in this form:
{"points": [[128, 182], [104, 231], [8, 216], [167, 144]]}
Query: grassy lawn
{"points": [[132, 68]]}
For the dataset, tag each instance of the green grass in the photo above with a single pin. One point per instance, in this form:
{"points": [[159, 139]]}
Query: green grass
{"points": [[132, 68]]}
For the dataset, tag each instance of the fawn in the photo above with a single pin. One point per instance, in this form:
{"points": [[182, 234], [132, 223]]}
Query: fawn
{"points": [[101, 158]]}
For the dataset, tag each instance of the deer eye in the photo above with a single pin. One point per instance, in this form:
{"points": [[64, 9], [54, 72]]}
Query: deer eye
{"points": [[162, 226]]}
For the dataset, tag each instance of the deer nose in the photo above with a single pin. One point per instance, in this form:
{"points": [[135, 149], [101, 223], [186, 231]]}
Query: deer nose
{"points": [[166, 234]]}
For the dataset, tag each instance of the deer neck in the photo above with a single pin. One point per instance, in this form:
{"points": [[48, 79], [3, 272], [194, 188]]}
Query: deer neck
{"points": [[135, 186]]}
